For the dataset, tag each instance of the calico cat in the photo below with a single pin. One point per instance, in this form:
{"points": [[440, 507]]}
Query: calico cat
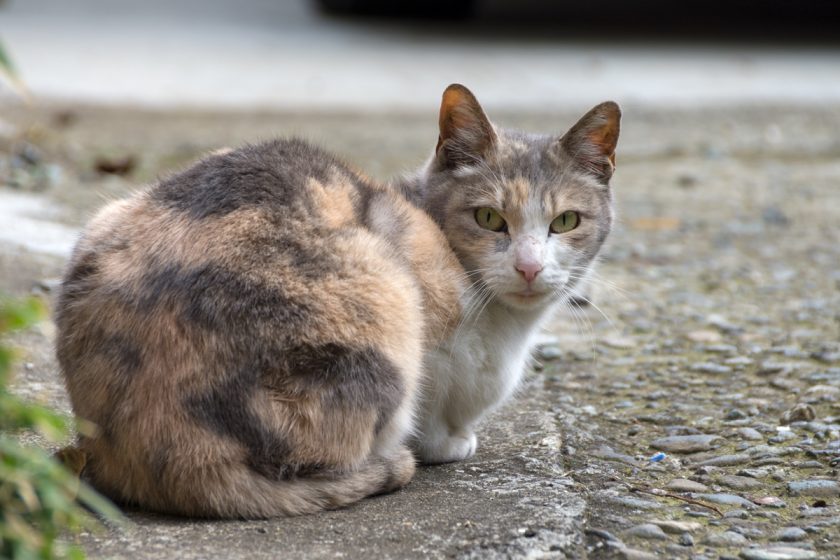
{"points": [[267, 332]]}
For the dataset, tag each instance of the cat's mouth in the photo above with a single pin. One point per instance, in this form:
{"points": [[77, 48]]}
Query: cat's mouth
{"points": [[526, 296]]}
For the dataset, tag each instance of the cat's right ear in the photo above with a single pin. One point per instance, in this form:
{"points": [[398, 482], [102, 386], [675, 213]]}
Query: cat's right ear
{"points": [[466, 134], [592, 141]]}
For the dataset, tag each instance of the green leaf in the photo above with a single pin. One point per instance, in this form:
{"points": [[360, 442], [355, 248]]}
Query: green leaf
{"points": [[52, 426], [21, 314], [40, 500], [8, 70], [6, 63]]}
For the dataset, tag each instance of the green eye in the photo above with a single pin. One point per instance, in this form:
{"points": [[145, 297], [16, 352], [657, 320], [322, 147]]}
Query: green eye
{"points": [[567, 221], [490, 219]]}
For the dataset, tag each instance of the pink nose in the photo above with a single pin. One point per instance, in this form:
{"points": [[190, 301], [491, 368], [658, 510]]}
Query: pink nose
{"points": [[529, 269]]}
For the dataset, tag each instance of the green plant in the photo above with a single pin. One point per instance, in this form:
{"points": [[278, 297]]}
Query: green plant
{"points": [[39, 499], [8, 71]]}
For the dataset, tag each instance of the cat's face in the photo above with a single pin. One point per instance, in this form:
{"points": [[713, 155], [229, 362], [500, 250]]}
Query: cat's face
{"points": [[526, 214]]}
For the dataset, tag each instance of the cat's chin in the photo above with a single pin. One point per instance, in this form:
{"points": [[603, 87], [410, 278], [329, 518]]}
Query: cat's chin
{"points": [[526, 300]]}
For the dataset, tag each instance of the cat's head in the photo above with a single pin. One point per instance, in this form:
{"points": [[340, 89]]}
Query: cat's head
{"points": [[525, 213]]}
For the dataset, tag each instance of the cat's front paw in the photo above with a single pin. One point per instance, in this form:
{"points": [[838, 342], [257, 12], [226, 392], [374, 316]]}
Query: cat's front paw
{"points": [[448, 449]]}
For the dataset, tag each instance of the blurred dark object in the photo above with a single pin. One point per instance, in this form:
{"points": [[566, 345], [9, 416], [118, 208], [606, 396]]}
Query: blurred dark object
{"points": [[427, 9], [64, 118], [771, 18], [115, 166]]}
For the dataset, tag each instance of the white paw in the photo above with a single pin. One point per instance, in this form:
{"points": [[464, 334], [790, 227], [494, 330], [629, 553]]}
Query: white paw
{"points": [[449, 449]]}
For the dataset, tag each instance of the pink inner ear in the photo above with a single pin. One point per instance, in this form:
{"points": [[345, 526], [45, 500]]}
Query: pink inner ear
{"points": [[463, 125], [592, 141], [605, 135]]}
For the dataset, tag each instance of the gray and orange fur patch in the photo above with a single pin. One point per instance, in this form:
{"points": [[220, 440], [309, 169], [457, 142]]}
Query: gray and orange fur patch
{"points": [[247, 335]]}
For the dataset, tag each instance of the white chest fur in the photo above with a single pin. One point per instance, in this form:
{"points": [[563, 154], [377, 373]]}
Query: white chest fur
{"points": [[474, 371]]}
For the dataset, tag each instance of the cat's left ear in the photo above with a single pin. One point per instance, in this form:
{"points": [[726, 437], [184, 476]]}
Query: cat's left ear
{"points": [[466, 134], [592, 141]]}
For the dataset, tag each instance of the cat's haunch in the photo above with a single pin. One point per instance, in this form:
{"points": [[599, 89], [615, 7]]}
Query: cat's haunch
{"points": [[270, 332]]}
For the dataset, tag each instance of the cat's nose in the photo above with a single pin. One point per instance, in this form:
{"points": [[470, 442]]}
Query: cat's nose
{"points": [[528, 257], [528, 269]]}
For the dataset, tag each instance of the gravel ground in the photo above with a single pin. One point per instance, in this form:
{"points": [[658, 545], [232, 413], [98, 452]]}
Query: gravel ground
{"points": [[705, 403], [698, 403]]}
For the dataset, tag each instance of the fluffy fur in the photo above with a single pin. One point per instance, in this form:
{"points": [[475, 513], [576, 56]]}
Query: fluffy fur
{"points": [[266, 332]]}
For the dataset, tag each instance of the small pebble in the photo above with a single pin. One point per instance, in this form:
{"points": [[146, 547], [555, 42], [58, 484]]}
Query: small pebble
{"points": [[770, 368], [710, 367], [770, 501], [738, 361], [603, 534], [686, 539], [726, 460], [762, 451], [698, 513], [817, 512], [736, 514], [685, 485], [634, 554], [725, 499], [618, 342], [646, 531], [720, 349], [549, 352], [774, 216], [826, 357], [735, 414], [785, 384], [686, 444], [726, 538], [777, 553], [815, 488], [740, 482], [790, 534], [678, 527], [783, 436], [749, 531], [707, 335], [750, 434]]}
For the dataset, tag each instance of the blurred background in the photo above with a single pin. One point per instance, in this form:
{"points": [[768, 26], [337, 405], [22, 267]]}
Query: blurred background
{"points": [[376, 55]]}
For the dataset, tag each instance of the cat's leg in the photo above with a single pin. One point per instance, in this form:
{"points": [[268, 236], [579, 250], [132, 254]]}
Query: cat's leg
{"points": [[443, 436], [461, 390], [401, 425], [440, 443]]}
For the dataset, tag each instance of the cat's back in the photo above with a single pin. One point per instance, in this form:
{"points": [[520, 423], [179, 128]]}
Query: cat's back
{"points": [[287, 178], [268, 234], [281, 202], [242, 236]]}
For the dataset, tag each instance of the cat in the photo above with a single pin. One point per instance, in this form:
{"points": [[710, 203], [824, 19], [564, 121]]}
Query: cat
{"points": [[270, 332], [526, 215]]}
